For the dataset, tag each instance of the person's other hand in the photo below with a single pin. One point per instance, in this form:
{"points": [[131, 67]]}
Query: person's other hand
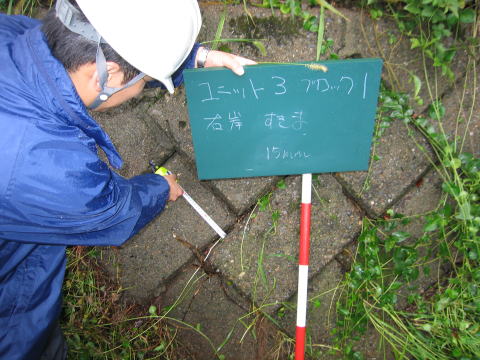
{"points": [[175, 190], [230, 61]]}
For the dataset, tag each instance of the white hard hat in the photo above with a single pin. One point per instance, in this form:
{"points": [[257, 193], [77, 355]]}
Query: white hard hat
{"points": [[155, 36]]}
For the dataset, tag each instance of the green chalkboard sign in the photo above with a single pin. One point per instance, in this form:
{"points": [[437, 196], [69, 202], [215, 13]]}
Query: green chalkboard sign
{"points": [[283, 119]]}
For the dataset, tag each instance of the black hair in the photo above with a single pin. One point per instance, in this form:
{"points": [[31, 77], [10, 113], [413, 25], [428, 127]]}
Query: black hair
{"points": [[73, 50]]}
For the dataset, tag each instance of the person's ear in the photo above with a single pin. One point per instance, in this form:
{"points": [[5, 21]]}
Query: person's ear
{"points": [[115, 76]]}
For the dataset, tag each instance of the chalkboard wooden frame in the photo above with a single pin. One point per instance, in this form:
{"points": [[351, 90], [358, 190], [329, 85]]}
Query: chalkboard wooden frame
{"points": [[283, 119]]}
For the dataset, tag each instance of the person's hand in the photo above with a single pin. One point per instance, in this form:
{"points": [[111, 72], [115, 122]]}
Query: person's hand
{"points": [[230, 61], [175, 190]]}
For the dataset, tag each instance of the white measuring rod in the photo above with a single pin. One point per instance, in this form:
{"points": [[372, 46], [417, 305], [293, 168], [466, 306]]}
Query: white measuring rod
{"points": [[163, 171], [204, 215]]}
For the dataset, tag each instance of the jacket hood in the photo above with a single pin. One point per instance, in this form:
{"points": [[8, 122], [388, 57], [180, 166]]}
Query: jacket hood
{"points": [[48, 79]]}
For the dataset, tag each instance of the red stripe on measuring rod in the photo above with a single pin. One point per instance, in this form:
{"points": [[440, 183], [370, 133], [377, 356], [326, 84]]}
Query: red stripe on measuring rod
{"points": [[304, 234], [300, 344], [303, 266]]}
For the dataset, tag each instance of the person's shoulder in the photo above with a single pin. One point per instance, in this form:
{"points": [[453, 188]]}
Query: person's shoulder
{"points": [[14, 25]]}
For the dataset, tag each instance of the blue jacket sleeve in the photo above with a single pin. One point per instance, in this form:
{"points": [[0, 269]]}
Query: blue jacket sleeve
{"points": [[61, 193], [177, 76]]}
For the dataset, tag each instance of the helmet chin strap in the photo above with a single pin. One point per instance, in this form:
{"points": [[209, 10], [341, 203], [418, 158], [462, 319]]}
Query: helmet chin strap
{"points": [[102, 71], [71, 18]]}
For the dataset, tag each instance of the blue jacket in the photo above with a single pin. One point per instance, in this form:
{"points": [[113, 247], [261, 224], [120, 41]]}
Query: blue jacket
{"points": [[54, 190]]}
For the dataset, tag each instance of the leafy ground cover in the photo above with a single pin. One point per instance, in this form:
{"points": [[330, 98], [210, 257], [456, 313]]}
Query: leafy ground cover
{"points": [[441, 321]]}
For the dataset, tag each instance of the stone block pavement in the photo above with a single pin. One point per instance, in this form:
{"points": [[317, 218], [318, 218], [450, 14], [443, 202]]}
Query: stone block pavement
{"points": [[253, 271]]}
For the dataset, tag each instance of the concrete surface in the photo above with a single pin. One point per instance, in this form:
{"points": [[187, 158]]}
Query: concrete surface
{"points": [[249, 281]]}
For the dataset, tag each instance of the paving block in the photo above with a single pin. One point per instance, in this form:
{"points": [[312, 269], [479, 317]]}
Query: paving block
{"points": [[137, 138], [421, 198], [401, 164], [260, 255], [207, 317], [424, 197], [373, 346], [462, 116], [154, 255], [171, 115], [284, 39], [241, 194], [366, 37]]}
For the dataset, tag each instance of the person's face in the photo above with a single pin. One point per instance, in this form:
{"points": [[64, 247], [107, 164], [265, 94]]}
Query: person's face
{"points": [[123, 95]]}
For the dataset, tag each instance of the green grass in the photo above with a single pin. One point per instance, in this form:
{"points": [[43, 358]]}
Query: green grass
{"points": [[98, 324], [23, 7]]}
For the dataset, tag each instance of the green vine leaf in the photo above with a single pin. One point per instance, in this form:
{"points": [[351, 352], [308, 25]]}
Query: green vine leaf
{"points": [[467, 16]]}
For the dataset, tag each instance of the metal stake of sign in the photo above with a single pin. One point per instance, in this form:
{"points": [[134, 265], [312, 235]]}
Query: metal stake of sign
{"points": [[306, 206]]}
